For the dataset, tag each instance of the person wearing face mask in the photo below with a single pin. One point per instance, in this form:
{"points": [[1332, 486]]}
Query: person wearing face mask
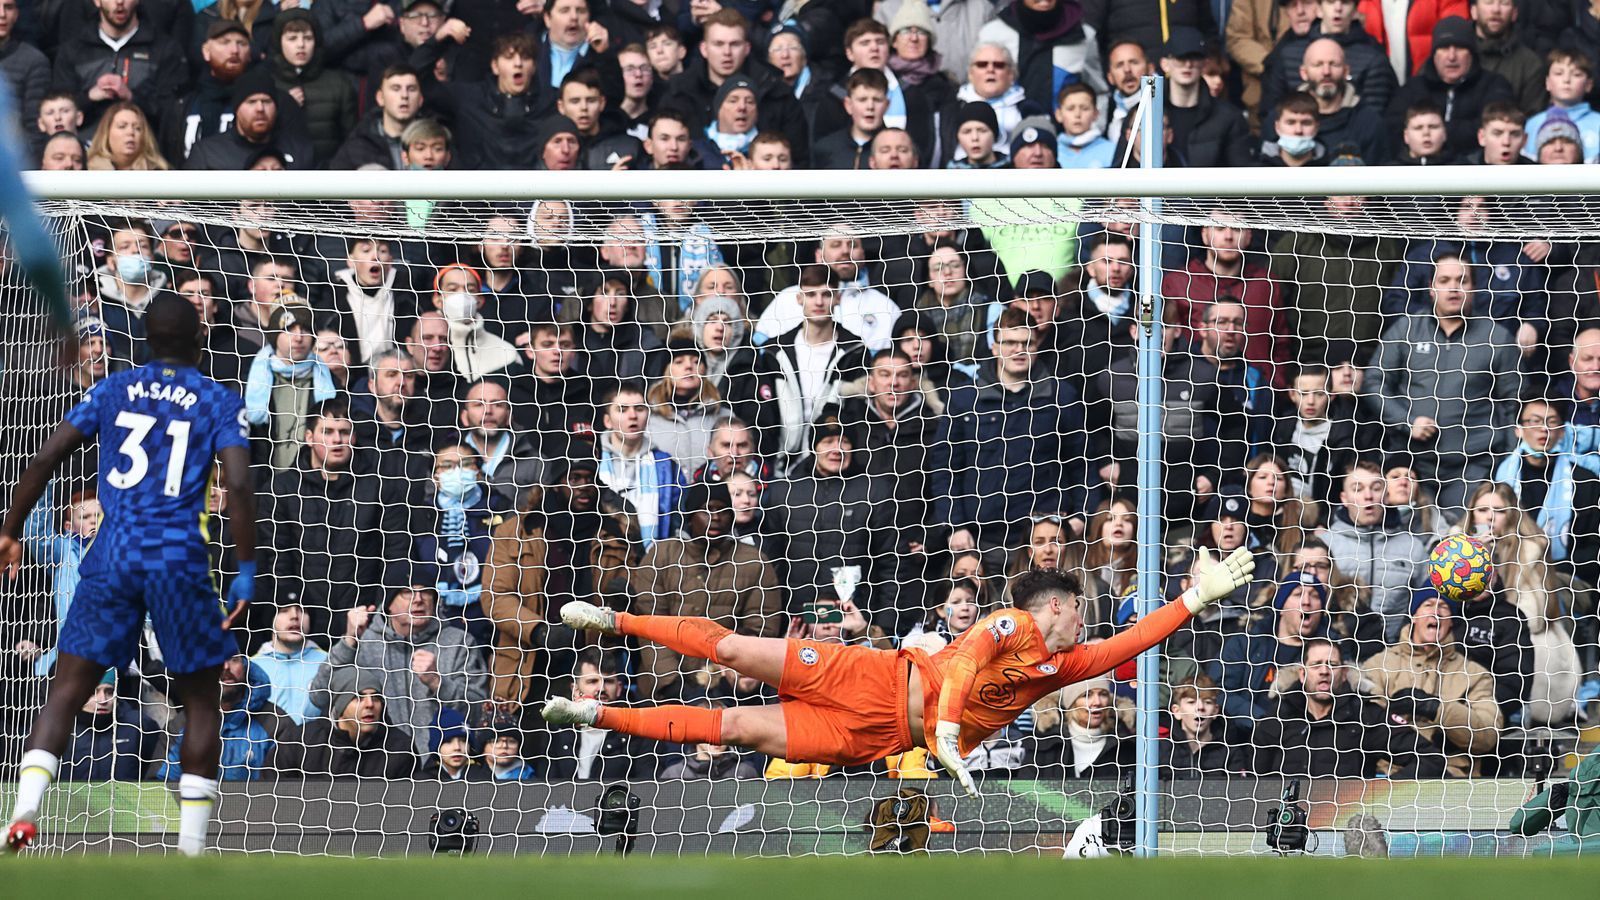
{"points": [[1296, 143], [1558, 488], [126, 283], [286, 380], [475, 350], [454, 534]]}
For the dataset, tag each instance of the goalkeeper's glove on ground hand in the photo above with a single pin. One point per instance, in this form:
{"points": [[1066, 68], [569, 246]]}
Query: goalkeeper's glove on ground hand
{"points": [[1217, 580], [947, 746]]}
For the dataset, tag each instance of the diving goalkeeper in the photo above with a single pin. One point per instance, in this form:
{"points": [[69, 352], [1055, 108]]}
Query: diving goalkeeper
{"points": [[847, 705]]}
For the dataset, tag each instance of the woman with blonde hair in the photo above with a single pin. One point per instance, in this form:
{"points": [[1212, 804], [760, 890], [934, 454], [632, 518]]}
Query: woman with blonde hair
{"points": [[685, 407], [1523, 580], [1277, 519], [125, 142]]}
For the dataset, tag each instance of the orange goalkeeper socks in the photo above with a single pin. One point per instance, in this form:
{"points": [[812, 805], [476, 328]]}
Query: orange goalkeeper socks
{"points": [[689, 635], [673, 724]]}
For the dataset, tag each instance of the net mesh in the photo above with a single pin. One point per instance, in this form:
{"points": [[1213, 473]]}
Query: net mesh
{"points": [[1326, 403]]}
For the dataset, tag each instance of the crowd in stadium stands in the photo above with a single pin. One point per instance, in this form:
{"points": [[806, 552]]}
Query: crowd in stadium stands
{"points": [[858, 438]]}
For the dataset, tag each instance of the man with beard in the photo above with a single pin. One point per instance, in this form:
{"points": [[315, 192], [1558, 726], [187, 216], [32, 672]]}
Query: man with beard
{"points": [[1322, 728], [1345, 116], [205, 109], [353, 739], [1369, 70], [262, 120], [561, 547], [1501, 50], [702, 571]]}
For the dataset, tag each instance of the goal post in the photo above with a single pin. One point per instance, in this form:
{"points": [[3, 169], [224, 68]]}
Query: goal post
{"points": [[1238, 264]]}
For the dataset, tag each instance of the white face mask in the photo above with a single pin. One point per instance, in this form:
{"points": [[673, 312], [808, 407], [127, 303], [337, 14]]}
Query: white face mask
{"points": [[460, 307], [1296, 145]]}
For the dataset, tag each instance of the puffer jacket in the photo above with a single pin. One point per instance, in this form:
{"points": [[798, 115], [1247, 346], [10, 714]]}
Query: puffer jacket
{"points": [[247, 744], [1469, 718], [330, 106], [1383, 557]]}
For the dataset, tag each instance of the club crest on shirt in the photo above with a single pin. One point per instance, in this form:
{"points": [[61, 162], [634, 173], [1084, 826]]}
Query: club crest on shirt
{"points": [[808, 655], [1047, 669]]}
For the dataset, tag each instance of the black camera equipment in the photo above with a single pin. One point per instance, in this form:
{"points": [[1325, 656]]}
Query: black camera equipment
{"points": [[619, 815], [1289, 829], [453, 832]]}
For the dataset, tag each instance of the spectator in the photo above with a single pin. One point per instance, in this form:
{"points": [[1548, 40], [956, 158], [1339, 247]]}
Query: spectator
{"points": [[286, 382], [500, 121], [1502, 50], [375, 138], [827, 516], [866, 101], [1407, 35], [510, 462], [1578, 390], [114, 59], [951, 300], [625, 256], [1219, 404], [1009, 446], [1254, 28], [299, 59], [125, 283], [451, 757], [388, 420], [863, 310], [368, 300], [261, 121], [1146, 21], [745, 492], [290, 661], [586, 753], [112, 739], [1425, 679], [1222, 274], [581, 100], [1081, 144], [1105, 563], [915, 57], [1320, 727], [475, 351], [1558, 141], [702, 572], [62, 549], [124, 141], [615, 344], [1346, 117], [1277, 520], [1078, 735], [1052, 45], [712, 761], [666, 49], [1046, 541], [1555, 487], [328, 528], [1568, 81], [1370, 542], [992, 79], [1205, 132], [1127, 63], [1404, 493], [62, 152], [680, 250], [1296, 127], [1367, 67], [24, 66], [1452, 80], [1333, 278], [1446, 380], [1502, 135], [1252, 660], [724, 54], [1424, 137], [976, 133], [561, 545], [502, 757], [1097, 305], [639, 472], [955, 26], [247, 727], [1322, 438], [550, 400], [811, 360], [1198, 744], [353, 739], [956, 608], [425, 668], [684, 407], [453, 515]]}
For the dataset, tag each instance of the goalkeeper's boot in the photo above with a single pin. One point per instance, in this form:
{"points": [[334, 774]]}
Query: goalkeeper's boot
{"points": [[20, 835], [561, 711], [582, 616]]}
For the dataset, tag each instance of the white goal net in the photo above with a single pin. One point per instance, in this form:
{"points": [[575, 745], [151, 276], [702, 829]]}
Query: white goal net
{"points": [[845, 421]]}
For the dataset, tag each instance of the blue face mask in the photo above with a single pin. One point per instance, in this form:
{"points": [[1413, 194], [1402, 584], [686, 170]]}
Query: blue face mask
{"points": [[455, 484], [1296, 145], [1525, 450], [133, 269]]}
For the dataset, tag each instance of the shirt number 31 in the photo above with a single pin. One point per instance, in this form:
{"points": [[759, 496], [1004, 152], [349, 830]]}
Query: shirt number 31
{"points": [[139, 427]]}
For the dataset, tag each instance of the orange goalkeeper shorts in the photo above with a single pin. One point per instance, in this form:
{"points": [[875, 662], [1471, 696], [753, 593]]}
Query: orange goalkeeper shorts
{"points": [[843, 706]]}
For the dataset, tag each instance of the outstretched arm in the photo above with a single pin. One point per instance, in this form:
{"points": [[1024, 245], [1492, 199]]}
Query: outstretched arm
{"points": [[30, 487]]}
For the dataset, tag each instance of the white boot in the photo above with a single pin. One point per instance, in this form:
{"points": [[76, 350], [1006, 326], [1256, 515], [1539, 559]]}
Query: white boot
{"points": [[562, 711], [582, 616]]}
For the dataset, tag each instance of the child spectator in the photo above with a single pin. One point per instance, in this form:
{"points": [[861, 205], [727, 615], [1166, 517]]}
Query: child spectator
{"points": [[977, 128], [1423, 137], [1081, 144], [1569, 80], [866, 101], [61, 551]]}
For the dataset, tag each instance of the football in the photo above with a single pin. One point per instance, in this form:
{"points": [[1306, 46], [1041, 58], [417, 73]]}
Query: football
{"points": [[1459, 568]]}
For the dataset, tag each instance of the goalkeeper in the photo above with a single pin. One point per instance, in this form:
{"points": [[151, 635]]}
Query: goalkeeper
{"points": [[848, 705]]}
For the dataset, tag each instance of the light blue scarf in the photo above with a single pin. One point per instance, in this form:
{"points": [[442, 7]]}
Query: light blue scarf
{"points": [[562, 61], [697, 252], [1117, 310], [802, 82], [267, 368], [1555, 516], [453, 506], [730, 143], [895, 117], [648, 505]]}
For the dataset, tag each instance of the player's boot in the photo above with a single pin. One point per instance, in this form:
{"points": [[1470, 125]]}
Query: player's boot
{"points": [[582, 616], [20, 835], [561, 711]]}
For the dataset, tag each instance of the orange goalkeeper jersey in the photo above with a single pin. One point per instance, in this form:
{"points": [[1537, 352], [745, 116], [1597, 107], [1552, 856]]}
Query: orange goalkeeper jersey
{"points": [[1000, 666]]}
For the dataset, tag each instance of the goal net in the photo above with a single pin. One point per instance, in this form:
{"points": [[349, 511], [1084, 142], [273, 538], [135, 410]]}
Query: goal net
{"points": [[857, 422]]}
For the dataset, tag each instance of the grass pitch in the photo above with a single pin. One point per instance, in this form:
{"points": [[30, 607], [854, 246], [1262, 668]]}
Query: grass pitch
{"points": [[964, 878]]}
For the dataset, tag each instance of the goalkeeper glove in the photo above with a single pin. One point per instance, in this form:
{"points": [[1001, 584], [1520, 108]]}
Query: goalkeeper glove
{"points": [[1216, 580], [947, 746]]}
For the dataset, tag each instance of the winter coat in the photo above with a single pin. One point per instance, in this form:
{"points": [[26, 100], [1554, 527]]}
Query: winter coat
{"points": [[518, 580], [1000, 456], [1421, 17], [290, 676], [325, 750], [849, 362], [692, 92], [1522, 68], [1065, 50], [1462, 103], [247, 743], [622, 757], [898, 455], [723, 580], [230, 152], [382, 657], [1349, 437], [1249, 666], [333, 538], [368, 143], [956, 25], [554, 412], [150, 62], [1582, 115], [330, 103], [1334, 282], [1217, 758], [814, 524], [1384, 558], [1467, 382], [1469, 720], [1223, 414], [204, 111], [1254, 28], [1496, 636], [683, 433], [1350, 743], [1220, 136], [1049, 756], [1370, 73], [460, 565], [114, 747], [1146, 22], [27, 69]]}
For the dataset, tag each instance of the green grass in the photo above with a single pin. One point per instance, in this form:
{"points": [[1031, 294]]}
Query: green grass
{"points": [[966, 878]]}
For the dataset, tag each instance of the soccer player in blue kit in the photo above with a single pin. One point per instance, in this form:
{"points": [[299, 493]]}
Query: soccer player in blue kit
{"points": [[160, 426]]}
